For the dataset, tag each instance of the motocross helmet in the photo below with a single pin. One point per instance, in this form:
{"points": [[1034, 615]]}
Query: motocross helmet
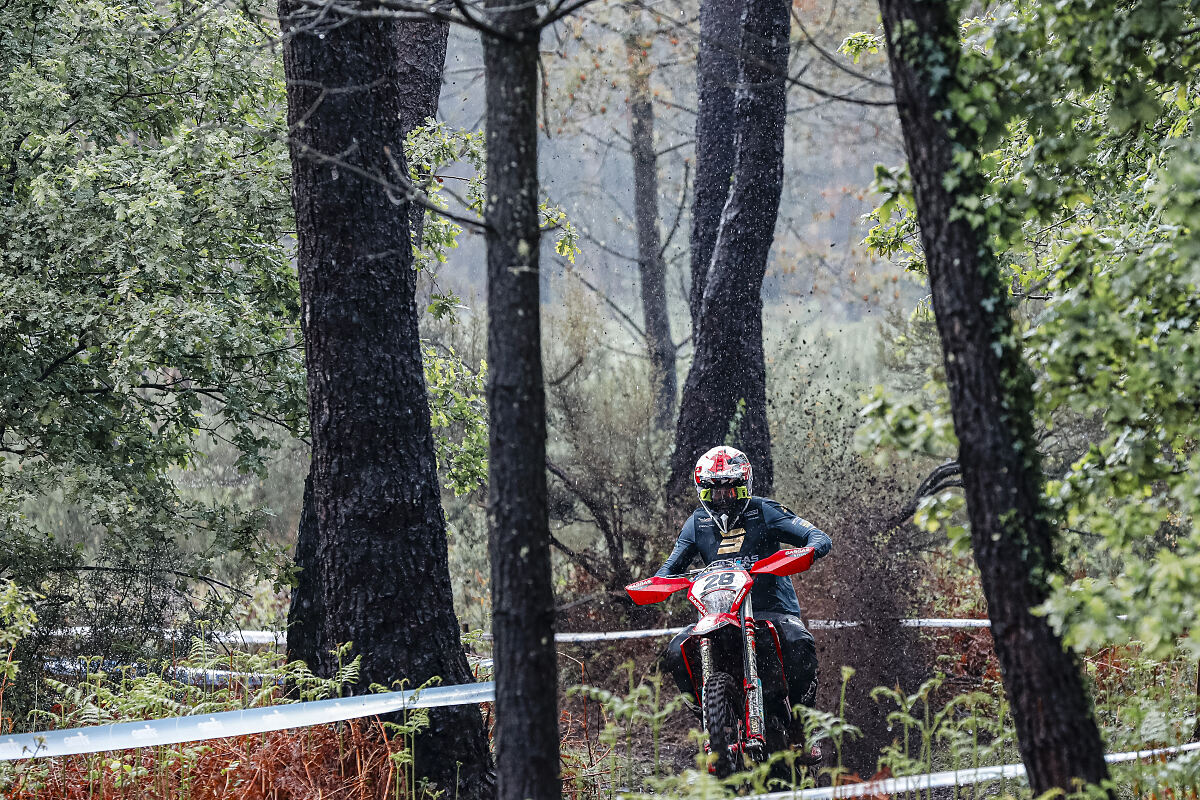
{"points": [[724, 480]]}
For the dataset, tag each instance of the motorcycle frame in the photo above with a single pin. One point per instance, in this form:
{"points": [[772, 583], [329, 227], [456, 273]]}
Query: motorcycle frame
{"points": [[754, 713]]}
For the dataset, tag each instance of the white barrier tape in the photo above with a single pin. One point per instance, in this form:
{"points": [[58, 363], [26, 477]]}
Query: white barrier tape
{"points": [[943, 780], [193, 676], [602, 636], [250, 637], [280, 638], [227, 637], [813, 624], [270, 637], [156, 732], [933, 622]]}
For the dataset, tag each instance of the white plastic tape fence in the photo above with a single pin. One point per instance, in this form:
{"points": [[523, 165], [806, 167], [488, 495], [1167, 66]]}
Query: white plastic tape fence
{"points": [[942, 780], [280, 638], [156, 732], [813, 624]]}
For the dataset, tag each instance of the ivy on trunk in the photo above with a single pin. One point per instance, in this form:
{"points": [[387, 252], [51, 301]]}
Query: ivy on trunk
{"points": [[992, 403]]}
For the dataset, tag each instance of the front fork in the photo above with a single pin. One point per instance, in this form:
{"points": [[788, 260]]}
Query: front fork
{"points": [[706, 668], [755, 718]]}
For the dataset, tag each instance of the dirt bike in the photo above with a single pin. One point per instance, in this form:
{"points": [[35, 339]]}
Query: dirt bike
{"points": [[742, 694]]}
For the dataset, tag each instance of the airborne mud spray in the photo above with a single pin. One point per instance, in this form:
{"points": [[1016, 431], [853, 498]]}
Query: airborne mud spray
{"points": [[869, 584]]}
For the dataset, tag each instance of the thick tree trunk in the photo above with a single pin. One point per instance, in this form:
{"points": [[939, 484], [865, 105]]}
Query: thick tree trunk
{"points": [[716, 123], [728, 367], [652, 269], [526, 733], [307, 611], [422, 60], [992, 401], [381, 541]]}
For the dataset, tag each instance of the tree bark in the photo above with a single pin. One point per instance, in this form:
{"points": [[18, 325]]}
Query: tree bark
{"points": [[992, 400], [381, 541], [307, 610], [728, 369], [526, 732], [716, 123], [422, 61], [420, 66], [651, 267]]}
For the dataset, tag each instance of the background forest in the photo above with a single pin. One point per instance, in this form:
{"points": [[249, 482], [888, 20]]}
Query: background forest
{"points": [[157, 429]]}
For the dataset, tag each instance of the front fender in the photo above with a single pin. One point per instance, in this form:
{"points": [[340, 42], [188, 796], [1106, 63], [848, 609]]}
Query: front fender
{"points": [[711, 622]]}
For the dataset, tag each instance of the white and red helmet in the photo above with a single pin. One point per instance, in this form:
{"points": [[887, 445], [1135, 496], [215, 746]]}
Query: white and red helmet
{"points": [[724, 482]]}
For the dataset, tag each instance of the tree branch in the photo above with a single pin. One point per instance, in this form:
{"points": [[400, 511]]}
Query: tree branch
{"points": [[133, 571], [58, 362], [946, 476], [620, 312], [683, 196]]}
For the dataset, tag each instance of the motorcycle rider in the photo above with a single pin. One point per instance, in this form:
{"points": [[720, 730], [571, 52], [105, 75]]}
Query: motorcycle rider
{"points": [[732, 522]]}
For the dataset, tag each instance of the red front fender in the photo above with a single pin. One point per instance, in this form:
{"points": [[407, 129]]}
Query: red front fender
{"points": [[711, 622]]}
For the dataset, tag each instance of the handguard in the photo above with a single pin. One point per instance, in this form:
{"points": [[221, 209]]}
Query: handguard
{"points": [[656, 589], [792, 561]]}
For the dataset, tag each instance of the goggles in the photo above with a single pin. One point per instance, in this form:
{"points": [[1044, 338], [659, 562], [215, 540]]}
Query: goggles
{"points": [[724, 494]]}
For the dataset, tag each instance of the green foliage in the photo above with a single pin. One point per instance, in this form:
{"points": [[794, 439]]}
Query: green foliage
{"points": [[894, 234], [857, 44], [968, 731], [431, 150], [144, 275], [459, 418], [1081, 118], [17, 619]]}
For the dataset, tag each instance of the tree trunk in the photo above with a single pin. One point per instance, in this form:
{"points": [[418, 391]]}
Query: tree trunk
{"points": [[422, 60], [381, 541], [526, 732], [307, 610], [728, 368], [991, 399], [652, 269], [716, 123]]}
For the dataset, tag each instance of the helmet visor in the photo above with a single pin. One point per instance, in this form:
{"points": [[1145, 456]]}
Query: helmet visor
{"points": [[724, 499]]}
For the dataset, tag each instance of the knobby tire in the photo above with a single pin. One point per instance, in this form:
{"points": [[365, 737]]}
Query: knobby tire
{"points": [[723, 703]]}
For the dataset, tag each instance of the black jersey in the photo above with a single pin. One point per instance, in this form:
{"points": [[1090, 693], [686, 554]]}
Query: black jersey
{"points": [[763, 528]]}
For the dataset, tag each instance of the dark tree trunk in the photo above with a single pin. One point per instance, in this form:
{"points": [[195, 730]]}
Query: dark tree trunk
{"points": [[728, 365], [716, 79], [526, 733], [307, 611], [991, 399], [422, 60], [381, 541], [652, 269]]}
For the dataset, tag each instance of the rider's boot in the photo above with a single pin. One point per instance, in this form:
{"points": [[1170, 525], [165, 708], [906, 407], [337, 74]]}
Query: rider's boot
{"points": [[689, 702], [808, 754]]}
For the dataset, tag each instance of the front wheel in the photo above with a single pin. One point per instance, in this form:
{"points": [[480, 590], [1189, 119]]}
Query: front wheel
{"points": [[722, 711]]}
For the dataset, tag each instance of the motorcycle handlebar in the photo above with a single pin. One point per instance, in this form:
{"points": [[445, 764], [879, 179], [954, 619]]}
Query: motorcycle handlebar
{"points": [[742, 562]]}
